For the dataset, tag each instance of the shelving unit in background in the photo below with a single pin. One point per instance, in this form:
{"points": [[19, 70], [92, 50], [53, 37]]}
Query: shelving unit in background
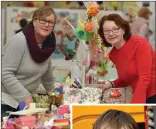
{"points": [[151, 116]]}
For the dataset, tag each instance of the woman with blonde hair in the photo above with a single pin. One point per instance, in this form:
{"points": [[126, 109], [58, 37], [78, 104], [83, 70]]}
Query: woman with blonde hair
{"points": [[26, 61], [115, 119]]}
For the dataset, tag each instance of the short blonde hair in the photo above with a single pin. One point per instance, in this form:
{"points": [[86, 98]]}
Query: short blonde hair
{"points": [[143, 12], [115, 119], [43, 12]]}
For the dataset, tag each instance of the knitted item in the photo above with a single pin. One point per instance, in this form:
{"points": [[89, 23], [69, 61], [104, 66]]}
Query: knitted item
{"points": [[39, 55]]}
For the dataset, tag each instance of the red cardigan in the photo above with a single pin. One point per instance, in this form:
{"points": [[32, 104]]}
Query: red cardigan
{"points": [[135, 64]]}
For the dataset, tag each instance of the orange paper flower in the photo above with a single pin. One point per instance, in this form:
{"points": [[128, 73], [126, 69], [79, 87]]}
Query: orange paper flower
{"points": [[93, 9], [89, 27]]}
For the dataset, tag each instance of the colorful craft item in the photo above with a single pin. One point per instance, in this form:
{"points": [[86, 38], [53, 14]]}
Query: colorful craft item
{"points": [[56, 96], [59, 90], [102, 71], [115, 93], [80, 33], [58, 84], [105, 52], [29, 121], [85, 61], [92, 63], [89, 79], [78, 83], [92, 47], [60, 80], [80, 23], [63, 109], [61, 122], [99, 50], [93, 9], [8, 123], [89, 36], [54, 127], [89, 27], [85, 95], [86, 31], [21, 106], [101, 74], [69, 53]]}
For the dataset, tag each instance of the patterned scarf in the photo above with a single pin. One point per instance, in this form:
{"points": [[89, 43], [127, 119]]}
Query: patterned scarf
{"points": [[38, 54]]}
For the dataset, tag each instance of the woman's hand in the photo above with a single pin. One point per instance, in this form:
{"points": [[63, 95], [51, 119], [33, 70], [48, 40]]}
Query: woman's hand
{"points": [[28, 100], [106, 85]]}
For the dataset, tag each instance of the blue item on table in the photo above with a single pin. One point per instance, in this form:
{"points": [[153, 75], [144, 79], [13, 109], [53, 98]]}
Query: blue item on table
{"points": [[21, 106]]}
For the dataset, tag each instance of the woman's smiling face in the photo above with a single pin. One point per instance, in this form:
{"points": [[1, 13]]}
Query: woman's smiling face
{"points": [[113, 33], [44, 26]]}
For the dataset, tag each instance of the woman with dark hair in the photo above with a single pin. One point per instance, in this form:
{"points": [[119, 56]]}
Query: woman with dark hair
{"points": [[23, 22], [26, 61], [133, 57], [115, 119]]}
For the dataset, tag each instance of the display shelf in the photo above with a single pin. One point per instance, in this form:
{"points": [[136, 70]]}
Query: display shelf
{"points": [[151, 112]]}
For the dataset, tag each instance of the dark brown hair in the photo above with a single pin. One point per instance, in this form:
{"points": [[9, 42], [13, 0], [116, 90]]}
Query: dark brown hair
{"points": [[119, 21], [115, 119], [23, 22]]}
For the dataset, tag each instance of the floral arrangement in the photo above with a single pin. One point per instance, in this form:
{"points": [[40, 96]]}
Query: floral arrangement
{"points": [[86, 30], [93, 9]]}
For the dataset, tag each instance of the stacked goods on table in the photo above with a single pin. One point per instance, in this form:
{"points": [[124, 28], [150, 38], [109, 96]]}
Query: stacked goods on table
{"points": [[150, 117], [41, 100], [92, 95], [84, 95], [96, 70], [51, 98], [53, 112], [61, 122], [33, 119]]}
